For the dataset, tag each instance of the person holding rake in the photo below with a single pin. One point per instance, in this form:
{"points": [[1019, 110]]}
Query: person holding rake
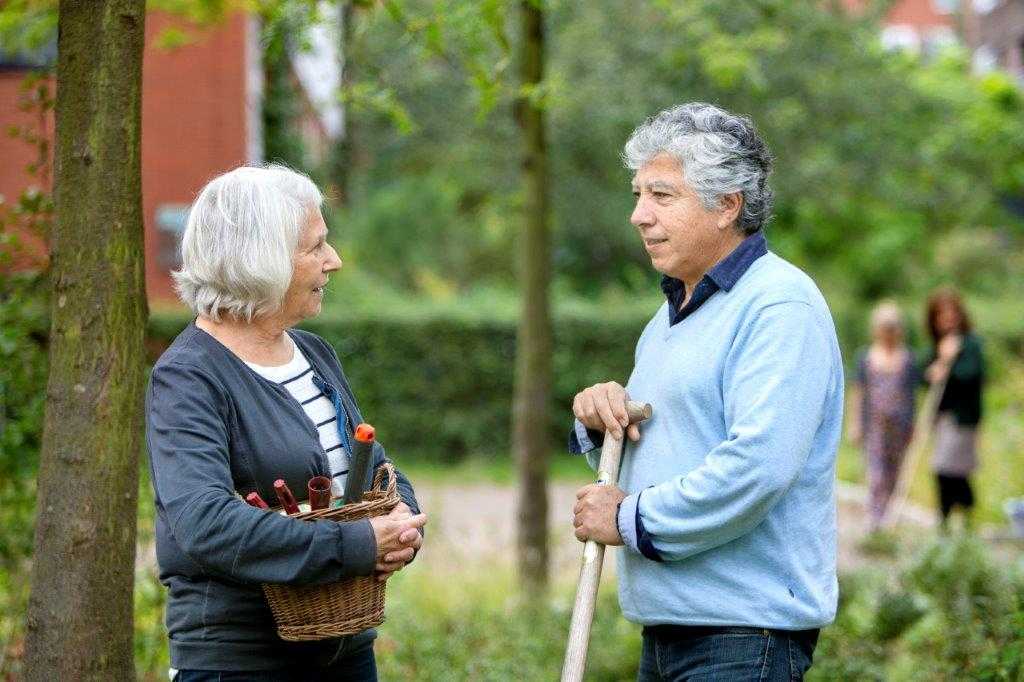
{"points": [[726, 498]]}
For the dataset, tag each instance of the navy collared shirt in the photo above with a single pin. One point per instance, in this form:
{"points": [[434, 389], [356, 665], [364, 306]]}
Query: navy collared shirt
{"points": [[722, 277]]}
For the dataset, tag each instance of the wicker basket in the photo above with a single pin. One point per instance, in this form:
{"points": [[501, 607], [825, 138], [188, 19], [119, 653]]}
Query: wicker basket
{"points": [[310, 612]]}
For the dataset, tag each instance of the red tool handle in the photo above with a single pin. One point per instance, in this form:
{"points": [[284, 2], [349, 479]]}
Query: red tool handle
{"points": [[284, 494], [255, 500]]}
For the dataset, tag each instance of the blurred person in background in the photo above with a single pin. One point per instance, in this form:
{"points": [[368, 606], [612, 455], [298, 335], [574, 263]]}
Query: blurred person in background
{"points": [[882, 408], [957, 360], [240, 399]]}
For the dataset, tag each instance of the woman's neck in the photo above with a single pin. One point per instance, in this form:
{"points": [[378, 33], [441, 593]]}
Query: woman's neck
{"points": [[262, 341]]}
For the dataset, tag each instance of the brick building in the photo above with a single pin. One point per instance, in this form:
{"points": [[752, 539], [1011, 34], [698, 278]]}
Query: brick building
{"points": [[200, 116]]}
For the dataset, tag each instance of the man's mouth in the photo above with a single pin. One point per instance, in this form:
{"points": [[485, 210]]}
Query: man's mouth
{"points": [[650, 241]]}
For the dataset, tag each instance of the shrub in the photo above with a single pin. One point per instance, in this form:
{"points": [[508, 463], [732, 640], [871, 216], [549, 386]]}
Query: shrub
{"points": [[440, 386]]}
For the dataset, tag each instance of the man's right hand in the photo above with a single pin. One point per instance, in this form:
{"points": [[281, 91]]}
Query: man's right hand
{"points": [[602, 407]]}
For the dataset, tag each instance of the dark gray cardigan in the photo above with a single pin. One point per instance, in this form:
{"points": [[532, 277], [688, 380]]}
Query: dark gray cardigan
{"points": [[216, 428]]}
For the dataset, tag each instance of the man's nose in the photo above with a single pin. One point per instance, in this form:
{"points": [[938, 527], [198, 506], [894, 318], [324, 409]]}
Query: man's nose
{"points": [[642, 215]]}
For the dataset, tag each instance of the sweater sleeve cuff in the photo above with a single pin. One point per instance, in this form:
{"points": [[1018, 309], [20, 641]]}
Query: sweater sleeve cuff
{"points": [[357, 549], [583, 440], [631, 528], [626, 521]]}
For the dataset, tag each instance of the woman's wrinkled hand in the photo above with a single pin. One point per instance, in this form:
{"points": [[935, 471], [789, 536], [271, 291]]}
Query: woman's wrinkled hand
{"points": [[398, 537]]}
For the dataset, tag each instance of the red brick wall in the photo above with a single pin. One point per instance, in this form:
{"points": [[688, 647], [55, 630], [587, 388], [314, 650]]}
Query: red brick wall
{"points": [[15, 155], [194, 125]]}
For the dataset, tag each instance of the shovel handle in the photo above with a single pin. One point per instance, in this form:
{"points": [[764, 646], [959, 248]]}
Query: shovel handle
{"points": [[593, 557]]}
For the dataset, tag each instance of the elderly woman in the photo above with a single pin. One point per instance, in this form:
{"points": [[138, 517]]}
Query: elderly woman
{"points": [[239, 400], [882, 414]]}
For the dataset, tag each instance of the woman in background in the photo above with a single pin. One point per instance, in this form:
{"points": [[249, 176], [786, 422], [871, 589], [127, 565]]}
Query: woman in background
{"points": [[883, 406], [957, 360]]}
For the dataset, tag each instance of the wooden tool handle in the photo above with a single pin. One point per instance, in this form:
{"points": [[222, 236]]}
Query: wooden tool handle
{"points": [[593, 557]]}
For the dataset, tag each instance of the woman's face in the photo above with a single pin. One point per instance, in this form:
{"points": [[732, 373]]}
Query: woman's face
{"points": [[313, 262], [889, 335], [947, 319]]}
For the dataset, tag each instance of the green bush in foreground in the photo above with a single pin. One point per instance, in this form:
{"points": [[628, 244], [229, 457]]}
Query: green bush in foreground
{"points": [[952, 615]]}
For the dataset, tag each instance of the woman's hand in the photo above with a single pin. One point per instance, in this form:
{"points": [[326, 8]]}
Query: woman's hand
{"points": [[398, 537], [949, 348]]}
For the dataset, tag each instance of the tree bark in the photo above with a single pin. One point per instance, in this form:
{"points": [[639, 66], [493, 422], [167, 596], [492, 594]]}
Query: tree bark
{"points": [[533, 355], [79, 623], [343, 152]]}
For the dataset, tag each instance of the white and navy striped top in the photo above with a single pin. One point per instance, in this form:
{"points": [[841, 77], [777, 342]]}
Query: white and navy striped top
{"points": [[297, 377]]}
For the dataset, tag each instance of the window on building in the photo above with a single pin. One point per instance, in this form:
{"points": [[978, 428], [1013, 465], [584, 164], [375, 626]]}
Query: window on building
{"points": [[900, 37], [170, 226], [44, 57], [984, 6]]}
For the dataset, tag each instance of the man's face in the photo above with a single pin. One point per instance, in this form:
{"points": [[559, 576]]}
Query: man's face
{"points": [[313, 262], [682, 238]]}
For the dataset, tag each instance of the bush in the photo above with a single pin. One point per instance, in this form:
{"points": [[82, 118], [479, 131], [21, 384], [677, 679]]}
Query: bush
{"points": [[440, 386], [952, 615], [23, 372]]}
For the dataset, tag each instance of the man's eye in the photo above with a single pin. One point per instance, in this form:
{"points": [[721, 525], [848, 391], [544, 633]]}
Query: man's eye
{"points": [[660, 195]]}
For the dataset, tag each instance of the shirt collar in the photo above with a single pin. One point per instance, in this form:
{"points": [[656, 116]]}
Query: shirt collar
{"points": [[728, 271]]}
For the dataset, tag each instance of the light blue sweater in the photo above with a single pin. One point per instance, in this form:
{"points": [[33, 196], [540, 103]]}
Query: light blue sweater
{"points": [[735, 472]]}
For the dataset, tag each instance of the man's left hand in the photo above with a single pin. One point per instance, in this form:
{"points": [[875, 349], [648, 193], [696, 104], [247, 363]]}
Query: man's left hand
{"points": [[595, 513]]}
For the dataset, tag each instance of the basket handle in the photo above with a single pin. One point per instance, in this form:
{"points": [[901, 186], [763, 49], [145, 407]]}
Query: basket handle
{"points": [[386, 469]]}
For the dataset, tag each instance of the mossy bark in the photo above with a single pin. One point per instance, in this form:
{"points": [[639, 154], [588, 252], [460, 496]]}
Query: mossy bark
{"points": [[79, 623], [534, 339]]}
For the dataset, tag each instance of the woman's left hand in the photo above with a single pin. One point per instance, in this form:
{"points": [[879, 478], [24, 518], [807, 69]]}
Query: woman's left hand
{"points": [[396, 560]]}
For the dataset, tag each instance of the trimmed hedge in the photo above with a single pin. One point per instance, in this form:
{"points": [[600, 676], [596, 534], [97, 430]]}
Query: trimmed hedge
{"points": [[440, 386]]}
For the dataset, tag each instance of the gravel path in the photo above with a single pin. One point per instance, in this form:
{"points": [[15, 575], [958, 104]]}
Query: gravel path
{"points": [[472, 528]]}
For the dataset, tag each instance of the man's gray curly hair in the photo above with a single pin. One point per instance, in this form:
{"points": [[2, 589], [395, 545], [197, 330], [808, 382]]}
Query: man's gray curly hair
{"points": [[720, 153]]}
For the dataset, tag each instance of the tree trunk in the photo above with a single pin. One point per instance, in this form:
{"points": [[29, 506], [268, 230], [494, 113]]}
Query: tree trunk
{"points": [[79, 623], [533, 354], [343, 152]]}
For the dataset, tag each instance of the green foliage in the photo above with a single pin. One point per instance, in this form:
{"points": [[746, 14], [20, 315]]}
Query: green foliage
{"points": [[440, 386], [282, 142], [953, 614], [880, 154], [472, 629]]}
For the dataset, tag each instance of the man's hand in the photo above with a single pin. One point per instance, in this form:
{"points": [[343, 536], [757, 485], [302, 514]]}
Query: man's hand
{"points": [[594, 513], [398, 537], [602, 407]]}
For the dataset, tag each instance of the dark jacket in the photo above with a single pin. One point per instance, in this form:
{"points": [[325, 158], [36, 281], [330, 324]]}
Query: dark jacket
{"points": [[216, 429], [962, 396]]}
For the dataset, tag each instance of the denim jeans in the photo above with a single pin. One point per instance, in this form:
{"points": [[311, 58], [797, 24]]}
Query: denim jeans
{"points": [[357, 665], [673, 653]]}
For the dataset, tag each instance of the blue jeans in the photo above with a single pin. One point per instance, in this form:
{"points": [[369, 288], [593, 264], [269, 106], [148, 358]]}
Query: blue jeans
{"points": [[357, 665], [672, 653]]}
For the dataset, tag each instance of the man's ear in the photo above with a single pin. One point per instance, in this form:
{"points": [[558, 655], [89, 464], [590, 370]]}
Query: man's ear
{"points": [[729, 211]]}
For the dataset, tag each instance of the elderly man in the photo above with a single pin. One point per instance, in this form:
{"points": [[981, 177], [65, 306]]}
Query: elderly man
{"points": [[727, 504]]}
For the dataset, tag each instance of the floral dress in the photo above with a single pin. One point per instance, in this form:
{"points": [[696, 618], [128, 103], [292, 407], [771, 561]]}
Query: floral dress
{"points": [[887, 423]]}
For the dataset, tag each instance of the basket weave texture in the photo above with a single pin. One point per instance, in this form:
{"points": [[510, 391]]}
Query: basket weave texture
{"points": [[311, 612]]}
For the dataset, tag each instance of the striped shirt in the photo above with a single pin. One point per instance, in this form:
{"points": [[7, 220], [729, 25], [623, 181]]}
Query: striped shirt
{"points": [[297, 377]]}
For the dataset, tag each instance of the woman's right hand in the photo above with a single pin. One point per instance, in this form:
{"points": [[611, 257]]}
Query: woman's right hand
{"points": [[392, 531]]}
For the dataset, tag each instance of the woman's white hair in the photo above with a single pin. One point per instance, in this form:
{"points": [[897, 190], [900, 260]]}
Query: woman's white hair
{"points": [[237, 250], [886, 315]]}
